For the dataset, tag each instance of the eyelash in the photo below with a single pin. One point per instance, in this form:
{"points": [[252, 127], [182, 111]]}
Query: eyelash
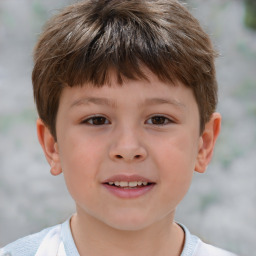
{"points": [[90, 120], [165, 120], [102, 120]]}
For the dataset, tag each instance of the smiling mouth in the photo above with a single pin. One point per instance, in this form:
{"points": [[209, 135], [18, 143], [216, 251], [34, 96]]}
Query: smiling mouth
{"points": [[129, 184]]}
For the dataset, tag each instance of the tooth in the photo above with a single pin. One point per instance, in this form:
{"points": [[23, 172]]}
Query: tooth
{"points": [[123, 184], [128, 184], [133, 184]]}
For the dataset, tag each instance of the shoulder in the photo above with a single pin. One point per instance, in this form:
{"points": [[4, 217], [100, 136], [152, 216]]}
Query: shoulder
{"points": [[26, 246], [209, 250], [193, 246]]}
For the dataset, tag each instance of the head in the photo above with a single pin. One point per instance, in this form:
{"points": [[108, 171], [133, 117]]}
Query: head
{"points": [[126, 92], [88, 41]]}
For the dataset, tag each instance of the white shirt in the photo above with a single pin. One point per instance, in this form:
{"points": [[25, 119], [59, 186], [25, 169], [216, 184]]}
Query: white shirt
{"points": [[58, 241]]}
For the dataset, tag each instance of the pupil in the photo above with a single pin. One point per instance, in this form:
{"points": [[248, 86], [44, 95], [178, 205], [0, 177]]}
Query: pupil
{"points": [[158, 120], [98, 120]]}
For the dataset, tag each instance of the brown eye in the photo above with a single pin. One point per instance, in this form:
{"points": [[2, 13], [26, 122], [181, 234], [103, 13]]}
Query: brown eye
{"points": [[96, 120], [159, 120]]}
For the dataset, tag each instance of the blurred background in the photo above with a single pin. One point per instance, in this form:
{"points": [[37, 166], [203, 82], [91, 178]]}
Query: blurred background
{"points": [[221, 204]]}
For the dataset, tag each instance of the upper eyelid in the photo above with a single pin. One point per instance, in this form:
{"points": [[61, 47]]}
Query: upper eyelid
{"points": [[170, 120], [161, 115], [93, 116]]}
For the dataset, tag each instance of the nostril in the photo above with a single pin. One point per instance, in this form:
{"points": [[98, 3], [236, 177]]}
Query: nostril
{"points": [[135, 157]]}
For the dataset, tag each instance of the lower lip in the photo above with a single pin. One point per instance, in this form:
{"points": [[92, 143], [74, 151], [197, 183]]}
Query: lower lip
{"points": [[129, 192]]}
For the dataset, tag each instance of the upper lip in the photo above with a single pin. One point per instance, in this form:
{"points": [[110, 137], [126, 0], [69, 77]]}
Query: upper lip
{"points": [[123, 177]]}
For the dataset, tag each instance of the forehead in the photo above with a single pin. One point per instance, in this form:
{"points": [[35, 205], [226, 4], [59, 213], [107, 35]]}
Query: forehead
{"points": [[149, 91], [130, 101]]}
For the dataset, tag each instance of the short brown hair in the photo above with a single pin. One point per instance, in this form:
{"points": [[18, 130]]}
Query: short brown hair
{"points": [[86, 40]]}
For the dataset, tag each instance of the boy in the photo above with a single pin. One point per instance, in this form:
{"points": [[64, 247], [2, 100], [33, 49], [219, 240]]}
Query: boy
{"points": [[126, 94]]}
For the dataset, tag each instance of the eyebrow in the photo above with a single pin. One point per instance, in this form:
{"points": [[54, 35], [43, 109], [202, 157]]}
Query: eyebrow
{"points": [[157, 101], [113, 104], [94, 100]]}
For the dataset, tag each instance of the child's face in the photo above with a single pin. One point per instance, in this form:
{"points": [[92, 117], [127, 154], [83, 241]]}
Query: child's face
{"points": [[141, 131]]}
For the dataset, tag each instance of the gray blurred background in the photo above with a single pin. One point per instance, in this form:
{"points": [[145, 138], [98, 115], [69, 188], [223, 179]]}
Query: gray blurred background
{"points": [[221, 204]]}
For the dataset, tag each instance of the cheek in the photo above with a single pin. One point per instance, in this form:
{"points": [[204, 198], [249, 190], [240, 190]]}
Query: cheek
{"points": [[176, 160], [79, 149], [80, 161], [177, 152]]}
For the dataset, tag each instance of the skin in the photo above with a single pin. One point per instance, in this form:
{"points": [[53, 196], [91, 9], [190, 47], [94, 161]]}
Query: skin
{"points": [[147, 128]]}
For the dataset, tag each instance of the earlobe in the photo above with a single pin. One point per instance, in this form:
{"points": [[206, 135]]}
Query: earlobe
{"points": [[50, 147], [207, 142]]}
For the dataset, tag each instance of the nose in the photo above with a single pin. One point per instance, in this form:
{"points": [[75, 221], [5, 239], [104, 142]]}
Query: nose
{"points": [[127, 147]]}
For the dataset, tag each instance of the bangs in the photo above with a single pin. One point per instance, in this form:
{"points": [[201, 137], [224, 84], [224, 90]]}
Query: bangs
{"points": [[88, 42], [122, 46]]}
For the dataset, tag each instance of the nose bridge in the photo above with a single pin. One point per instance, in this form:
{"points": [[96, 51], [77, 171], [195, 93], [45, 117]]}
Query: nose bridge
{"points": [[127, 144]]}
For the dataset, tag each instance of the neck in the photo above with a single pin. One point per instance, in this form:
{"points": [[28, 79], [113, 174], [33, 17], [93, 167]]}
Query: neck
{"points": [[93, 237]]}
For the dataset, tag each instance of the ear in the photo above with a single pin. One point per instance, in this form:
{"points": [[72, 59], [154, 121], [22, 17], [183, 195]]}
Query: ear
{"points": [[207, 142], [50, 147]]}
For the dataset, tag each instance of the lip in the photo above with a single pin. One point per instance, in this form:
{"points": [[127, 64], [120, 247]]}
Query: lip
{"points": [[122, 177], [128, 193]]}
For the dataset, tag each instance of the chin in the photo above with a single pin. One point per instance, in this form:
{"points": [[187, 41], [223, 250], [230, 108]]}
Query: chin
{"points": [[128, 226], [129, 222]]}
